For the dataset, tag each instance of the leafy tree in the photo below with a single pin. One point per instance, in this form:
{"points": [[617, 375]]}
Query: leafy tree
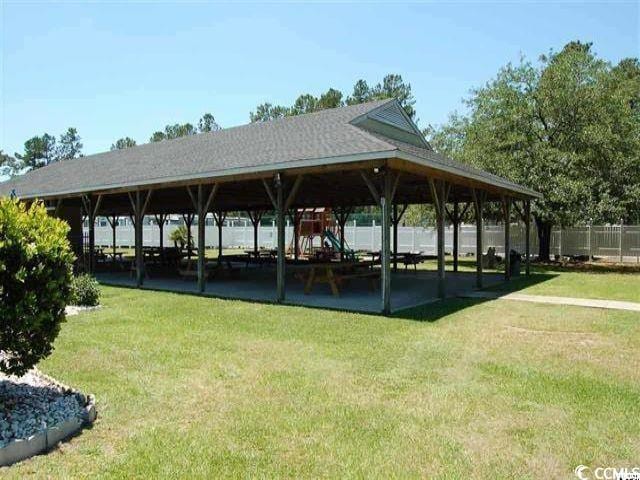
{"points": [[332, 98], [267, 111], [8, 164], [35, 278], [69, 145], [305, 103], [38, 152], [361, 93], [173, 131], [392, 86], [123, 143], [208, 123], [567, 127]]}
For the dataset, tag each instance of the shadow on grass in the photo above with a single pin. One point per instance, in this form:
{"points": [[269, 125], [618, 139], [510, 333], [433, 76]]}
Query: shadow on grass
{"points": [[432, 312]]}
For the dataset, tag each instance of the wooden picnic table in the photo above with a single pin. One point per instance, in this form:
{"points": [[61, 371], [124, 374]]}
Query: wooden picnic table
{"points": [[335, 274], [260, 256]]}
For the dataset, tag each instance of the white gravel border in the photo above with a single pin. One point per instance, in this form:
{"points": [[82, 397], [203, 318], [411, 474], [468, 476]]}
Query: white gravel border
{"points": [[48, 438]]}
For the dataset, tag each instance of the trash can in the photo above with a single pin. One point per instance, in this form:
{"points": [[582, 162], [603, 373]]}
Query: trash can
{"points": [[515, 260]]}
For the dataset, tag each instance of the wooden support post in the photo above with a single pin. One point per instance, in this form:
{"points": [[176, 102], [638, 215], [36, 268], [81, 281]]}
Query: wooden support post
{"points": [[385, 253], [160, 219], [139, 204], [397, 214], [139, 240], [92, 237], [478, 203], [439, 195], [113, 224], [456, 234], [202, 214], [342, 216], [201, 203], [297, 217], [219, 218], [527, 230], [255, 217], [395, 237], [506, 209], [280, 217]]}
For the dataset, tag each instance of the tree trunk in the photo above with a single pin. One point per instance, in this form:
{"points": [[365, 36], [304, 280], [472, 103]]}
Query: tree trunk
{"points": [[544, 239]]}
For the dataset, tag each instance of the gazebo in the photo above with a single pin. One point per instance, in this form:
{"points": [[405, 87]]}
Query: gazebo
{"points": [[360, 155]]}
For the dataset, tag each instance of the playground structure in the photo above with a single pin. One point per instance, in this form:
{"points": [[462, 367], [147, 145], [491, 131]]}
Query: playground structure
{"points": [[317, 234]]}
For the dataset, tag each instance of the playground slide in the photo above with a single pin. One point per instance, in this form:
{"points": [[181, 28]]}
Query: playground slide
{"points": [[335, 243]]}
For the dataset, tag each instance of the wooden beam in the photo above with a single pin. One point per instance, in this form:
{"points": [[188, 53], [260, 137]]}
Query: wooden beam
{"points": [[56, 211], [506, 209], [293, 192], [385, 252], [372, 188], [281, 261], [527, 229], [394, 188], [194, 200], [273, 199], [202, 213], [478, 202], [147, 199]]}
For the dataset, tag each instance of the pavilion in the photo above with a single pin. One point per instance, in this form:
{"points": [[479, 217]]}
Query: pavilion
{"points": [[360, 155]]}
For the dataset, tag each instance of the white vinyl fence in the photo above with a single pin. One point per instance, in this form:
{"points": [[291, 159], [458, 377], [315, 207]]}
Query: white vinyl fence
{"points": [[620, 243]]}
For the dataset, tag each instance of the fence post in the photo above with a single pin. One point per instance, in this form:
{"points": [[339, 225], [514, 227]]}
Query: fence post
{"points": [[373, 236], [620, 243], [413, 238], [354, 245], [560, 244], [273, 233], [589, 241]]}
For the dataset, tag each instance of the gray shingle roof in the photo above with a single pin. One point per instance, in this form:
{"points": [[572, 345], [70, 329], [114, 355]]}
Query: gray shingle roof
{"points": [[321, 136]]}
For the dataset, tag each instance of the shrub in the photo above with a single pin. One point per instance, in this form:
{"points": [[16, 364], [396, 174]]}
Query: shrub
{"points": [[181, 238], [35, 277], [85, 291]]}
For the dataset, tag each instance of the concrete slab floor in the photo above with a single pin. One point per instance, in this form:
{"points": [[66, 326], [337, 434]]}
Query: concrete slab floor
{"points": [[408, 289]]}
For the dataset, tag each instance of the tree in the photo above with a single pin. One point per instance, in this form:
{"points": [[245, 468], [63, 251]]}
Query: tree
{"points": [[38, 152], [173, 131], [266, 112], [8, 164], [332, 98], [69, 145], [392, 86], [35, 276], [123, 143], [208, 123], [305, 103], [567, 127], [361, 93]]}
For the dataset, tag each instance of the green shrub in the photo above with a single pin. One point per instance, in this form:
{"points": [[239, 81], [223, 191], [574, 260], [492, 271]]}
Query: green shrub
{"points": [[85, 291], [35, 277], [181, 238]]}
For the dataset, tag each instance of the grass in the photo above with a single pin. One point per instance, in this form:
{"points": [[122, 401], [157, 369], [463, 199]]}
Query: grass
{"points": [[606, 282], [197, 387]]}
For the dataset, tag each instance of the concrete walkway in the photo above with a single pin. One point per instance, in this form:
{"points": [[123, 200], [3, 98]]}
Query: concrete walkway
{"points": [[578, 302]]}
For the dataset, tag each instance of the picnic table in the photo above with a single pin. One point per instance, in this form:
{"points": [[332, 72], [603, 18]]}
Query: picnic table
{"points": [[261, 256], [335, 274]]}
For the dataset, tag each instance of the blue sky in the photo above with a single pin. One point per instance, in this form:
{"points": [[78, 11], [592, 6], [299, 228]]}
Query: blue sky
{"points": [[116, 69]]}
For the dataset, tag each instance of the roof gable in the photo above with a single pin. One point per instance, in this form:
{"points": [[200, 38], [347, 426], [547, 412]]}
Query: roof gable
{"points": [[391, 120]]}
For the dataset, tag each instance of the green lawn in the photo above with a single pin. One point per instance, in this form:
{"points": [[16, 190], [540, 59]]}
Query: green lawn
{"points": [[597, 281], [199, 388]]}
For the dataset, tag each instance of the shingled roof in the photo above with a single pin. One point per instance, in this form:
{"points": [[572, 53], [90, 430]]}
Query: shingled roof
{"points": [[338, 135]]}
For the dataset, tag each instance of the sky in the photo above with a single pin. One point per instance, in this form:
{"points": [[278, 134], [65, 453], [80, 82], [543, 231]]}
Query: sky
{"points": [[115, 69]]}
